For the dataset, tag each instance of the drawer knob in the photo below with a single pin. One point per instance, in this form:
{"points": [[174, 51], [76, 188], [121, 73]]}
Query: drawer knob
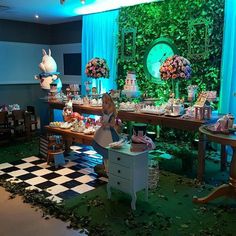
{"points": [[118, 171], [118, 183], [118, 158]]}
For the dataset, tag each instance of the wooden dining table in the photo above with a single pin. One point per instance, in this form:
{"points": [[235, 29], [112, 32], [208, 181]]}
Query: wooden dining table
{"points": [[176, 122]]}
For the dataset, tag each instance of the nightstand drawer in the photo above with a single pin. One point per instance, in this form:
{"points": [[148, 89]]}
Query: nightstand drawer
{"points": [[120, 159], [119, 170], [119, 183]]}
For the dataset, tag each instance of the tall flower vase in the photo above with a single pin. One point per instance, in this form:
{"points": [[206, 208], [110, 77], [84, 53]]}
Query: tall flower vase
{"points": [[175, 87], [99, 86]]}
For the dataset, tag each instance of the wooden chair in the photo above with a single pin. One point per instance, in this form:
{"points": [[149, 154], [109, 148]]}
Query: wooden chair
{"points": [[5, 131], [18, 117], [33, 118]]}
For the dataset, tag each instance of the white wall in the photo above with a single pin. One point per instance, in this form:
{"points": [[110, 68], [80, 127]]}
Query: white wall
{"points": [[19, 62], [57, 54]]}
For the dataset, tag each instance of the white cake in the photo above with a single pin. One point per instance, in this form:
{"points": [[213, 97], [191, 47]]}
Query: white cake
{"points": [[130, 82], [131, 88]]}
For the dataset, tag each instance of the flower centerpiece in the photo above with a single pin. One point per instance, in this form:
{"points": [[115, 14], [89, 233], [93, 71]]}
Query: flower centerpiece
{"points": [[175, 68], [97, 68]]}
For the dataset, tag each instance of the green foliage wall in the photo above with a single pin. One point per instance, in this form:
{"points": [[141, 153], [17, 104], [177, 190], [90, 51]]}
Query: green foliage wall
{"points": [[170, 18]]}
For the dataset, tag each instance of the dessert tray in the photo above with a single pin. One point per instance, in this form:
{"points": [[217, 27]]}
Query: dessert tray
{"points": [[173, 114], [55, 124], [213, 130], [78, 130], [65, 125], [155, 112]]}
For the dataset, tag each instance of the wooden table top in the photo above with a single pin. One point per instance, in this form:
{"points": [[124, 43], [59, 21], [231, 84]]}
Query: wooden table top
{"points": [[68, 132], [163, 120], [225, 139]]}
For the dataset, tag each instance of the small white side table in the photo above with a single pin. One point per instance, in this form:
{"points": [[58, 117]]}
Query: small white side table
{"points": [[128, 172]]}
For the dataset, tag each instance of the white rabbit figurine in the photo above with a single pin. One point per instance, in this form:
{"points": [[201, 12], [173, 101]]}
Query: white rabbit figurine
{"points": [[49, 73]]}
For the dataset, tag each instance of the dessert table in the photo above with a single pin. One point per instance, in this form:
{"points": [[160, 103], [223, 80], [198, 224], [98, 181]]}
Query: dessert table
{"points": [[70, 136], [175, 122], [223, 139]]}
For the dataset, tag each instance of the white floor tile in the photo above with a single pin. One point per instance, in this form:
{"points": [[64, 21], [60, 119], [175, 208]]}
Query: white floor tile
{"points": [[44, 165], [64, 171], [60, 180], [18, 173], [5, 165], [30, 159], [56, 189], [82, 188], [84, 171], [55, 198], [25, 165], [42, 172], [85, 179], [36, 180], [90, 152], [70, 164]]}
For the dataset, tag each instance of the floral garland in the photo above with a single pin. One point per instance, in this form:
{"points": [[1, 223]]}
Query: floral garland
{"points": [[175, 67], [97, 68]]}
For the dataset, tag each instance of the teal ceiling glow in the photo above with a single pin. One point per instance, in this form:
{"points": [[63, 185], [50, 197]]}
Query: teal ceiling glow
{"points": [[52, 12]]}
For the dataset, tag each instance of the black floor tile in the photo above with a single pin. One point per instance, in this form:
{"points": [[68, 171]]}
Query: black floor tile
{"points": [[27, 176], [71, 184], [95, 183], [51, 176], [5, 176], [33, 168], [67, 194], [17, 162], [53, 168], [38, 162], [74, 175], [45, 185], [10, 169]]}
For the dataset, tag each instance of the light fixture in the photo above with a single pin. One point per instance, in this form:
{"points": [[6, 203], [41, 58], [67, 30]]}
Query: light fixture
{"points": [[82, 1], [36, 16]]}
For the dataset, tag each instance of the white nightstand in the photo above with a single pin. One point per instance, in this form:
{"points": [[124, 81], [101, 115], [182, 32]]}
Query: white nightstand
{"points": [[128, 172]]}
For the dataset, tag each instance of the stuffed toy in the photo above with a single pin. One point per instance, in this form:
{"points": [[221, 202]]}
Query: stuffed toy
{"points": [[49, 73]]}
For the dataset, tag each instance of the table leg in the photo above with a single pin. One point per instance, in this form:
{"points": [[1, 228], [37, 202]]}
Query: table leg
{"points": [[201, 156], [228, 190], [133, 202], [223, 158]]}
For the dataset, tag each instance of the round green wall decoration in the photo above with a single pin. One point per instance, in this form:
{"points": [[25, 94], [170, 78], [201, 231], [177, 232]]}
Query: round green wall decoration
{"points": [[157, 52]]}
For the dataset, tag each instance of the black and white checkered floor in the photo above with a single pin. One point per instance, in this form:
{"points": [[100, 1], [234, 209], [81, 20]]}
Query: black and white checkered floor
{"points": [[75, 177]]}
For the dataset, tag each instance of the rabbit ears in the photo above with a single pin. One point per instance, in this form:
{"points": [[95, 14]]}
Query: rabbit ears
{"points": [[45, 53]]}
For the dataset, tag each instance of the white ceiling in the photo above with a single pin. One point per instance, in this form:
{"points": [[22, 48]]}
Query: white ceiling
{"points": [[52, 12]]}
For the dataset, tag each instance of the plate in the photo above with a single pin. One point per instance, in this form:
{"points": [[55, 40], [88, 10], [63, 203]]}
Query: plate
{"points": [[92, 105], [152, 112], [74, 130], [75, 147], [173, 115], [126, 109], [210, 128]]}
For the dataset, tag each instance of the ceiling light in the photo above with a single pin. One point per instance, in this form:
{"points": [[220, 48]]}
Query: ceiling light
{"points": [[36, 16], [82, 1]]}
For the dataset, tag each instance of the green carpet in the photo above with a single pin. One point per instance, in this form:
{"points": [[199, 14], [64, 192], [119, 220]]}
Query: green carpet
{"points": [[18, 150], [169, 211]]}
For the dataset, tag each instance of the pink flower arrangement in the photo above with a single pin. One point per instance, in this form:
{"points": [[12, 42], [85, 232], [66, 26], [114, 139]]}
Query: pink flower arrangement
{"points": [[97, 68], [175, 67]]}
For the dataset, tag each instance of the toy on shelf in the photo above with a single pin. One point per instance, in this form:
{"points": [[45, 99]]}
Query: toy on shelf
{"points": [[49, 73], [202, 108], [223, 125], [139, 141]]}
